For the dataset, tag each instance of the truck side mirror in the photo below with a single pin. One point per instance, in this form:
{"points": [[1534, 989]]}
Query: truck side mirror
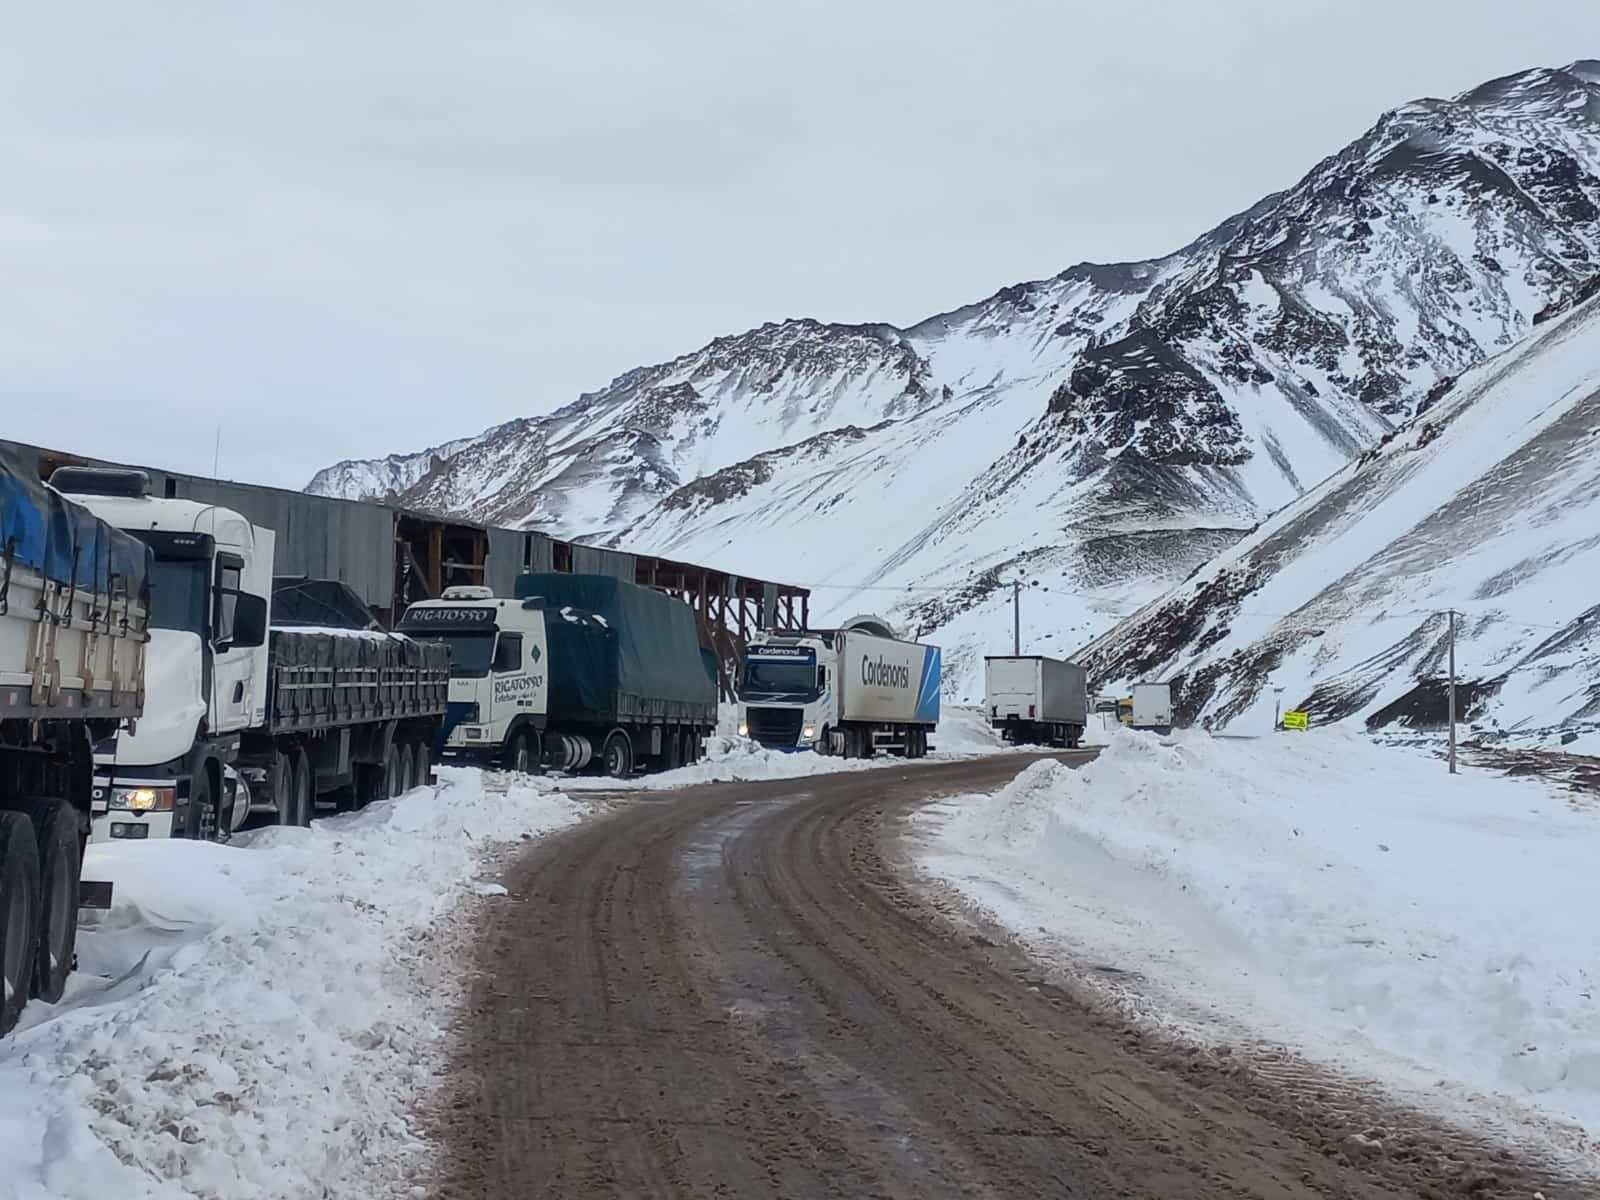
{"points": [[249, 621]]}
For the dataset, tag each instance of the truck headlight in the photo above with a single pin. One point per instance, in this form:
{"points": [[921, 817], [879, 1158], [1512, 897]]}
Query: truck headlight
{"points": [[744, 728], [809, 733], [142, 799]]}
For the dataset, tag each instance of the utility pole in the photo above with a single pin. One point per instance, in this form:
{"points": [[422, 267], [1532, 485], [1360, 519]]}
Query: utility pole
{"points": [[1016, 618], [1452, 691]]}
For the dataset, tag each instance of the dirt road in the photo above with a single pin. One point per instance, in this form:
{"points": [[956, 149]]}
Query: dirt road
{"points": [[728, 991]]}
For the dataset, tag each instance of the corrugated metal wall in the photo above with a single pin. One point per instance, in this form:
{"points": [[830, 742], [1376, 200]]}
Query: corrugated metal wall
{"points": [[317, 536], [592, 560]]}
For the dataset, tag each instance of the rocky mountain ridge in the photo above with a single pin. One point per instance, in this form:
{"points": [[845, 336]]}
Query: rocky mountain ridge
{"points": [[1102, 432]]}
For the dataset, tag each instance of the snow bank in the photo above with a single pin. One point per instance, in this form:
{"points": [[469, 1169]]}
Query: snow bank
{"points": [[1354, 901], [246, 1022], [961, 733]]}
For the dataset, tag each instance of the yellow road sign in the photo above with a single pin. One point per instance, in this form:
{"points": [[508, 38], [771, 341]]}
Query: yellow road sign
{"points": [[1296, 719]]}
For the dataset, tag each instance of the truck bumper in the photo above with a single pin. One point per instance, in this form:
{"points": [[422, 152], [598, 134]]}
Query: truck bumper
{"points": [[111, 823], [119, 826]]}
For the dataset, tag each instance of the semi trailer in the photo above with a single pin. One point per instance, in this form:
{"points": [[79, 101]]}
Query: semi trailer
{"points": [[851, 691], [573, 671], [1033, 700], [1148, 706], [243, 717], [74, 611]]}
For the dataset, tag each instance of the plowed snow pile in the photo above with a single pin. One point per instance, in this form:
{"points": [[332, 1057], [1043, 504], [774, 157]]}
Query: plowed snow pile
{"points": [[961, 733], [259, 1019], [1352, 901]]}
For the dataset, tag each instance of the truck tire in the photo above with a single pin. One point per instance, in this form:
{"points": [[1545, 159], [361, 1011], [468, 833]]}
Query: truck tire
{"points": [[407, 768], [391, 771], [283, 786], [19, 915], [424, 762], [58, 838], [694, 747], [616, 760], [304, 789], [200, 818], [523, 752], [371, 784]]}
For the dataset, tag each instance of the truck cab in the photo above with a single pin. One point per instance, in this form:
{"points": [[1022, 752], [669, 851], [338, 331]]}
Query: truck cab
{"points": [[499, 688], [786, 700], [206, 664]]}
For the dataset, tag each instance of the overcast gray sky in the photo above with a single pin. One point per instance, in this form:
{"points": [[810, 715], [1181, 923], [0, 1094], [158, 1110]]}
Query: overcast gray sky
{"points": [[342, 229]]}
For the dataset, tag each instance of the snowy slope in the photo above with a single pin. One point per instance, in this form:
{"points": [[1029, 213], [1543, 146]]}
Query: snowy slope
{"points": [[1488, 504], [1316, 891], [1102, 431]]}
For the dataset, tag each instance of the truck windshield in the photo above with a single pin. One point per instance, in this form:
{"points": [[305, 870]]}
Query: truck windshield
{"points": [[780, 678], [470, 653], [178, 594]]}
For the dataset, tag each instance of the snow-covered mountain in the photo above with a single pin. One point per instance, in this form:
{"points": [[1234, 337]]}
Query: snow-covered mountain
{"points": [[1099, 433], [1487, 503]]}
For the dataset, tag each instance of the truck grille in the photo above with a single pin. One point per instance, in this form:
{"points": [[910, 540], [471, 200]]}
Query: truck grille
{"points": [[775, 728]]}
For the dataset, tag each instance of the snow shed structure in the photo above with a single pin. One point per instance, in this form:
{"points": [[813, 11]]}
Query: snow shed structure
{"points": [[391, 557]]}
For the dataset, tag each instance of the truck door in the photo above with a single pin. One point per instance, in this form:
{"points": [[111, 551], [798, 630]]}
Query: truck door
{"points": [[234, 667], [513, 687]]}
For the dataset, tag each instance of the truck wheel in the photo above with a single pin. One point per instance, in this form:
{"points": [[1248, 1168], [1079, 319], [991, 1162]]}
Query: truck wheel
{"points": [[408, 767], [200, 821], [391, 771], [371, 784], [283, 786], [617, 757], [305, 796], [693, 747], [57, 836], [424, 762], [521, 753], [19, 919]]}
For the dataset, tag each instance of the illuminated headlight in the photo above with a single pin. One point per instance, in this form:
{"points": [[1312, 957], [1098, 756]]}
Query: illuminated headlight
{"points": [[809, 733], [744, 728], [142, 799]]}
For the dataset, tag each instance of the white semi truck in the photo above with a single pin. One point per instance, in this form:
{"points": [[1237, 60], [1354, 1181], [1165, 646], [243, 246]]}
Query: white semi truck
{"points": [[242, 718], [1033, 700], [74, 605], [851, 691], [575, 670]]}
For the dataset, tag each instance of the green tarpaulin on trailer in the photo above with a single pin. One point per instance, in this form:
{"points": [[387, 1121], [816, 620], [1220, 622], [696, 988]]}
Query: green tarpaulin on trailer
{"points": [[617, 649]]}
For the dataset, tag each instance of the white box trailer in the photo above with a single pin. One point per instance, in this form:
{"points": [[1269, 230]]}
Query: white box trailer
{"points": [[1035, 700], [886, 681], [1152, 706], [1147, 706]]}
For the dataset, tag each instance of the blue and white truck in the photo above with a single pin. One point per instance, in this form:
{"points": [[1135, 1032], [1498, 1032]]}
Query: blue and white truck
{"points": [[851, 691]]}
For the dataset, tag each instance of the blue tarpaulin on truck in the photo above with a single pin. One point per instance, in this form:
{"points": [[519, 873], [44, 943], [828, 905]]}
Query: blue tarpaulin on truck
{"points": [[66, 543]]}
